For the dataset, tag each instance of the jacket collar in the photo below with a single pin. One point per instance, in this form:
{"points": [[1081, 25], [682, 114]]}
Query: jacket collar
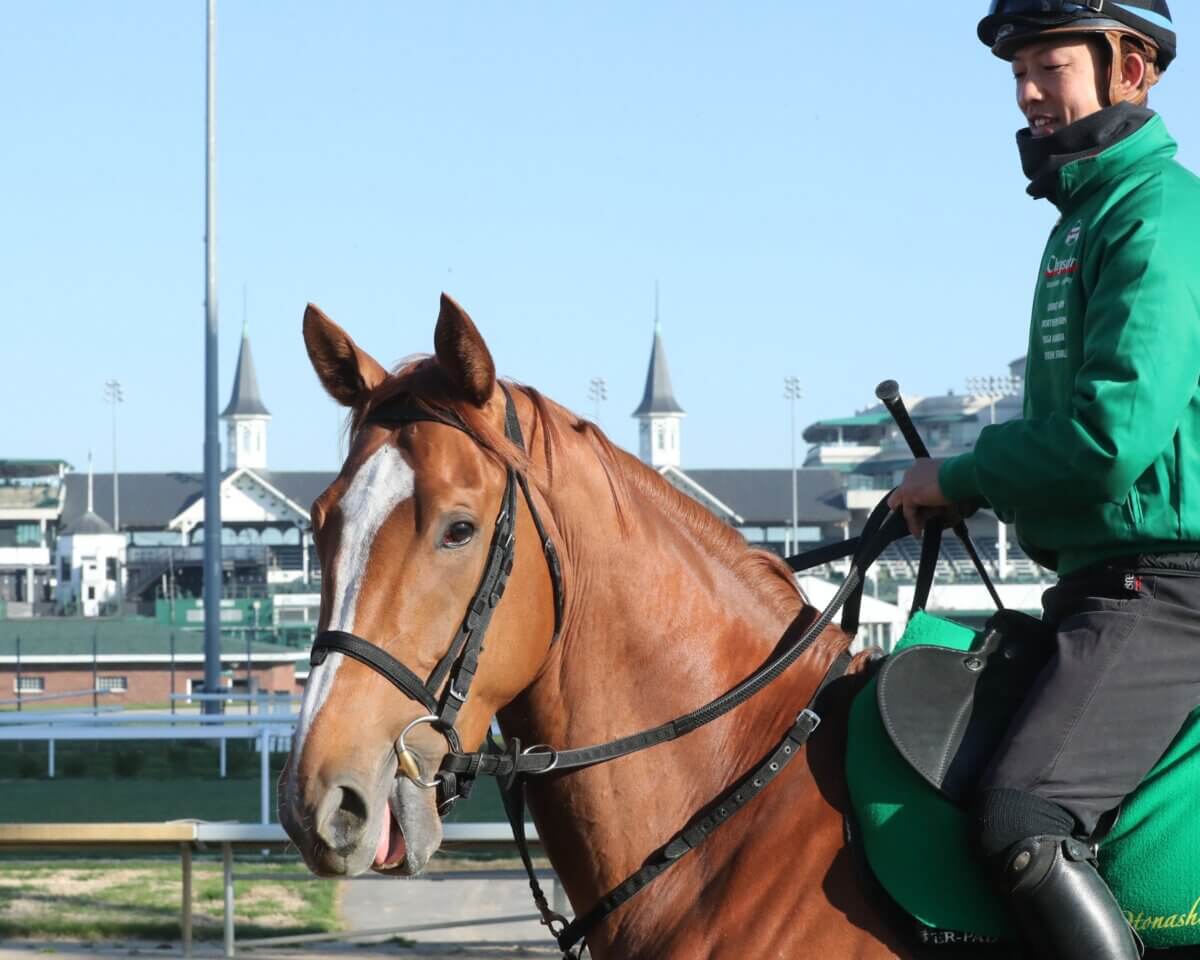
{"points": [[1080, 179]]}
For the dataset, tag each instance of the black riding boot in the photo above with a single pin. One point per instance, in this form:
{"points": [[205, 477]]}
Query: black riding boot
{"points": [[1062, 906]]}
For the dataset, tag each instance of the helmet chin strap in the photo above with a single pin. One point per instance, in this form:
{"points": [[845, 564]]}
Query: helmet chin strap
{"points": [[1116, 69]]}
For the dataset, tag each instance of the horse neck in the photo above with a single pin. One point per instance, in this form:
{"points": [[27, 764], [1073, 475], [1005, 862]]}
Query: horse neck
{"points": [[658, 623]]}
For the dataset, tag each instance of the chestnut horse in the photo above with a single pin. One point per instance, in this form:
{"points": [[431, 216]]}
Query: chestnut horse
{"points": [[664, 609]]}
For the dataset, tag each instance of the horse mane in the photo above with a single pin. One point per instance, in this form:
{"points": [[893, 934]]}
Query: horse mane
{"points": [[554, 428]]}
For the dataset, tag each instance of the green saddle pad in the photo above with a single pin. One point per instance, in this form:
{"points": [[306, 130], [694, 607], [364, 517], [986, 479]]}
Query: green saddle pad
{"points": [[915, 840]]}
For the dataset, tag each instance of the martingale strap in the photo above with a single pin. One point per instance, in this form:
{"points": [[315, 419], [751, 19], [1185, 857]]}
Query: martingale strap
{"points": [[716, 813], [513, 767]]}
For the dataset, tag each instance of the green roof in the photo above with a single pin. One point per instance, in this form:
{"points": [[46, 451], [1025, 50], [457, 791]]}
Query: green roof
{"points": [[12, 469], [128, 636], [872, 418]]}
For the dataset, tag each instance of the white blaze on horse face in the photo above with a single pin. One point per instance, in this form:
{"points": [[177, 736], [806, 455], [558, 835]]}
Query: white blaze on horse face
{"points": [[378, 488]]}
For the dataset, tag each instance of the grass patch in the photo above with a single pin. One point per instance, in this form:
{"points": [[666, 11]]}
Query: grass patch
{"points": [[140, 899]]}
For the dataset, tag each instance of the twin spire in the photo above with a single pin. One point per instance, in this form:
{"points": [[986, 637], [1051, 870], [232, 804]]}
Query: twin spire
{"points": [[246, 415], [659, 412]]}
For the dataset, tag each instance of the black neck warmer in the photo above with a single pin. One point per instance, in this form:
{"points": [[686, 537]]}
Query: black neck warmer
{"points": [[1043, 157]]}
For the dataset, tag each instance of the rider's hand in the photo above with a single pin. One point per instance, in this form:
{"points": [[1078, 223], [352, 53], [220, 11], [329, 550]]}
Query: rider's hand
{"points": [[920, 495]]}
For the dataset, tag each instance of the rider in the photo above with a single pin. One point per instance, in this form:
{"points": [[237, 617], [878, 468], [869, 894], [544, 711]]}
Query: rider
{"points": [[1102, 475]]}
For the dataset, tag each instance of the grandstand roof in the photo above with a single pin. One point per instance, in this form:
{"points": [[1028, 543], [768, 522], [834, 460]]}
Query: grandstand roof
{"points": [[764, 497], [31, 469], [150, 501]]}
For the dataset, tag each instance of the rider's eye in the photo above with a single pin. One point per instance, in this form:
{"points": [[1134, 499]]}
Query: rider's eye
{"points": [[458, 534]]}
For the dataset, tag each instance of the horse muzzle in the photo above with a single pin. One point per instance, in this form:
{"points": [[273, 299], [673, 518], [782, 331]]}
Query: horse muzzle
{"points": [[346, 824]]}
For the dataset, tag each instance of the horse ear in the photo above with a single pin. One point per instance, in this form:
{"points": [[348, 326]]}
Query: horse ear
{"points": [[463, 354], [346, 371]]}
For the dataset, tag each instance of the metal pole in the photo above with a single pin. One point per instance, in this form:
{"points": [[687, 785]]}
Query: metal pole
{"points": [[172, 697], [115, 397], [264, 765], [95, 679], [227, 863], [186, 907], [212, 443], [795, 509], [20, 692], [792, 392]]}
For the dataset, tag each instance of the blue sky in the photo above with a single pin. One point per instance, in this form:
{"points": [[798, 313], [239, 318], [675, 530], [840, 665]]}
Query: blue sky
{"points": [[819, 192]]}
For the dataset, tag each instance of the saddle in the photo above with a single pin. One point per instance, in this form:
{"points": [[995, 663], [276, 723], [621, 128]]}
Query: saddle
{"points": [[945, 709]]}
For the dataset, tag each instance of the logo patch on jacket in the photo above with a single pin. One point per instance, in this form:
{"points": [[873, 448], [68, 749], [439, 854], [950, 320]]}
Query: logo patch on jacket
{"points": [[1073, 236], [1057, 267]]}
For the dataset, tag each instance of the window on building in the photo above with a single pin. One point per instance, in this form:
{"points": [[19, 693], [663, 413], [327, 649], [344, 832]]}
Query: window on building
{"points": [[28, 684], [91, 593], [115, 684], [110, 568], [64, 570], [20, 534]]}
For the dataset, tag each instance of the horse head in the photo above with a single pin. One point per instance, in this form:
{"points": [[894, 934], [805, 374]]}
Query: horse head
{"points": [[404, 535]]}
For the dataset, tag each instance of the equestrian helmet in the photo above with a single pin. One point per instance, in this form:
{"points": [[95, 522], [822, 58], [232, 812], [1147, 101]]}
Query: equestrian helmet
{"points": [[1010, 24]]}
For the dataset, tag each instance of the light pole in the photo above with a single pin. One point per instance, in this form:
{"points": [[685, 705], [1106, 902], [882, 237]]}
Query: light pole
{"points": [[597, 391], [212, 440], [113, 396], [992, 389], [792, 391]]}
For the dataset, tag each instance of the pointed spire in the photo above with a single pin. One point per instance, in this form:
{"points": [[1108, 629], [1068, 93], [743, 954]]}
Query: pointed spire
{"points": [[245, 401], [658, 397], [89, 521]]}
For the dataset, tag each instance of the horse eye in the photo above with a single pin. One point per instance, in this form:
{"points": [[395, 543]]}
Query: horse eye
{"points": [[458, 534]]}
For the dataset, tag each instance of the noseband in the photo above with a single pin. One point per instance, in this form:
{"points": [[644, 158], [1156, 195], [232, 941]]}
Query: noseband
{"points": [[456, 670]]}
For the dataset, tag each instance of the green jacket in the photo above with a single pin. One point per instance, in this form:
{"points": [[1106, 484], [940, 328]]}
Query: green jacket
{"points": [[1106, 460]]}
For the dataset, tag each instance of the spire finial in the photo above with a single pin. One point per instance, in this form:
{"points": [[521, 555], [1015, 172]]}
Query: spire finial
{"points": [[245, 314], [657, 321], [89, 509]]}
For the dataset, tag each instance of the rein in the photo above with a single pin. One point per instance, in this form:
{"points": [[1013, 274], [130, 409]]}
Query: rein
{"points": [[513, 766]]}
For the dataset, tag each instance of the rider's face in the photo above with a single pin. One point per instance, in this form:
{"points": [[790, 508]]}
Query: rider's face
{"points": [[1056, 84]]}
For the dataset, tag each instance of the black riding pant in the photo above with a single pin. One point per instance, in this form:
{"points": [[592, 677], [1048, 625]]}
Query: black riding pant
{"points": [[1124, 677]]}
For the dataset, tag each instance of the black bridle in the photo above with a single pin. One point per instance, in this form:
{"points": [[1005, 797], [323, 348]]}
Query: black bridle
{"points": [[456, 670], [513, 766]]}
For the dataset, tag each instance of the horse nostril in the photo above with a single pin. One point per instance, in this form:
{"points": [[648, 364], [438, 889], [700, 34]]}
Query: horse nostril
{"points": [[342, 818]]}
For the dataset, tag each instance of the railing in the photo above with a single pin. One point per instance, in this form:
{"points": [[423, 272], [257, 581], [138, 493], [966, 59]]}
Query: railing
{"points": [[265, 728], [187, 836]]}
